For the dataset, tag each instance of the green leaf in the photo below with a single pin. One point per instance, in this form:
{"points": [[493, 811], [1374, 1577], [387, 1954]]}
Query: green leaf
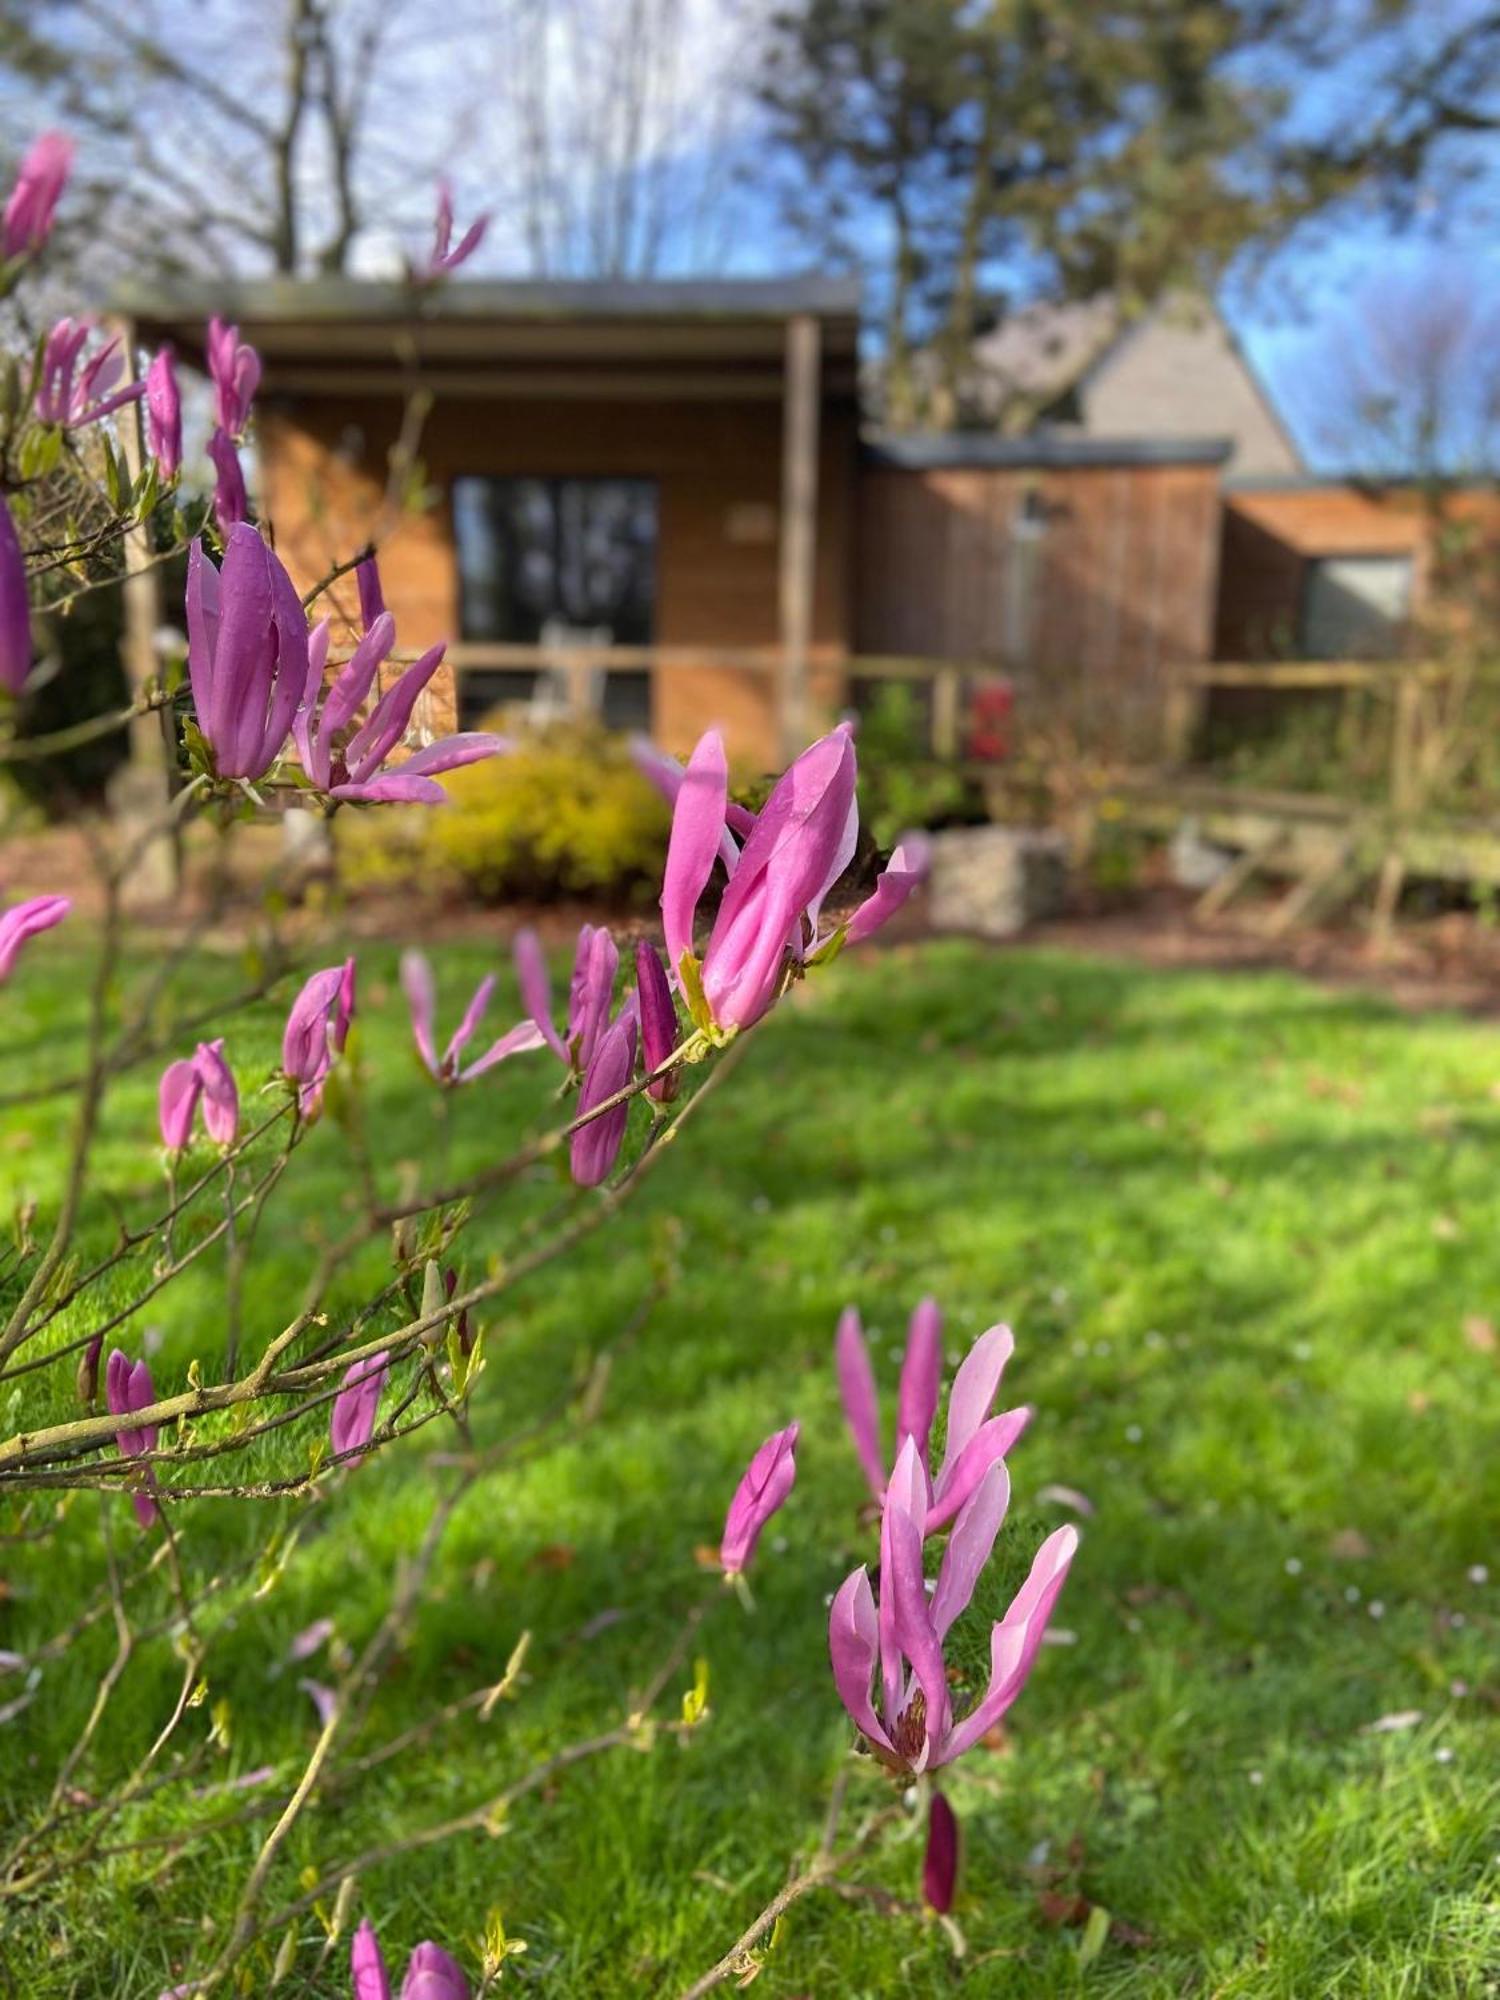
{"points": [[1095, 1936]]}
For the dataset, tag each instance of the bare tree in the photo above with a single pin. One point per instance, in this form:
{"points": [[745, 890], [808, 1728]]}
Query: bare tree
{"points": [[626, 124], [1405, 381]]}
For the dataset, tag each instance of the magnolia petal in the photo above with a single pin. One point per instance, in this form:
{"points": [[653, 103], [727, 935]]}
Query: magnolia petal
{"points": [[1014, 1642], [857, 1391], [176, 1100], [516, 1041], [372, 744], [785, 863], [767, 1481], [658, 1018], [991, 1441], [367, 1967], [853, 1644], [591, 992], [313, 752], [595, 1146], [536, 989], [27, 920], [450, 753], [432, 1975], [697, 827], [392, 788], [221, 1097], [421, 1000], [969, 1547], [356, 1406], [906, 869], [921, 1376], [975, 1387], [356, 677], [463, 1034], [903, 1585], [940, 1862]]}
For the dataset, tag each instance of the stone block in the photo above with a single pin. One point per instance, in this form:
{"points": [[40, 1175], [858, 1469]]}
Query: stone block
{"points": [[995, 880]]}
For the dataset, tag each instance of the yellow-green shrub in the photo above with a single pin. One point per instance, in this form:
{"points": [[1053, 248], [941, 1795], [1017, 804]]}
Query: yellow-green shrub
{"points": [[564, 814]]}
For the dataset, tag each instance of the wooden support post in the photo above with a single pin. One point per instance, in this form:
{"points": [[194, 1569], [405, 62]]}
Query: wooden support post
{"points": [[1182, 716], [947, 714], [799, 516], [1405, 724], [141, 791]]}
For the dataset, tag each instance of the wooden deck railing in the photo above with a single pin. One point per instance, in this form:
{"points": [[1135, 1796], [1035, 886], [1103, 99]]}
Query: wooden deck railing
{"points": [[577, 669]]}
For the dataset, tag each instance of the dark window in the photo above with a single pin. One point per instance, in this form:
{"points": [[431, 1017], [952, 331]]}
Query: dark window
{"points": [[541, 561], [626, 702]]}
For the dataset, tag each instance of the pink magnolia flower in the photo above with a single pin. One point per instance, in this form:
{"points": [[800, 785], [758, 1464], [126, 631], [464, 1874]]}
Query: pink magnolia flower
{"points": [[371, 596], [345, 762], [975, 1440], [205, 1079], [430, 1973], [914, 1728], [15, 607], [247, 653], [658, 1014], [768, 1480], [71, 396], [164, 414], [795, 850], [357, 1403], [32, 204], [421, 998], [322, 1697], [26, 920], [367, 1967], [444, 259], [595, 1146], [596, 960], [316, 1030], [231, 501], [940, 1863], [235, 371], [128, 1388]]}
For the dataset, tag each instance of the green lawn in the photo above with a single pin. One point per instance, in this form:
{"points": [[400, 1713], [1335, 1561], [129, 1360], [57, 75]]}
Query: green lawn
{"points": [[1248, 1234]]}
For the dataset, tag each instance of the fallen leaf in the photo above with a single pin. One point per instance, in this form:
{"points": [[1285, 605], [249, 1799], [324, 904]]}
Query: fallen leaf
{"points": [[554, 1556], [1062, 1906], [1130, 1934], [1386, 1725]]}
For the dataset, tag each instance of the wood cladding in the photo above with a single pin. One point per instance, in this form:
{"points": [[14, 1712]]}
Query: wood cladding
{"points": [[1090, 577], [324, 469]]}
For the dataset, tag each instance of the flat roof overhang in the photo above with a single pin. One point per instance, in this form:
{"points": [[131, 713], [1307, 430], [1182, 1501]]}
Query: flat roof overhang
{"points": [[668, 338], [1042, 451]]}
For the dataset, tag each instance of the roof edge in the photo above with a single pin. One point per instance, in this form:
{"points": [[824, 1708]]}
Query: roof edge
{"points": [[959, 451], [331, 300]]}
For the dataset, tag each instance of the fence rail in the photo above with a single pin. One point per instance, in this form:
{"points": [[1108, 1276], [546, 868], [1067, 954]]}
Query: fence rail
{"points": [[576, 670]]}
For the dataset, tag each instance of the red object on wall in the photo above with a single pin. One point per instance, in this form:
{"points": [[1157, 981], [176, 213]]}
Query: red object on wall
{"points": [[991, 712]]}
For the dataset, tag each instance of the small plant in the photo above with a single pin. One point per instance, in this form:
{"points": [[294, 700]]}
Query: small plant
{"points": [[901, 785], [568, 815]]}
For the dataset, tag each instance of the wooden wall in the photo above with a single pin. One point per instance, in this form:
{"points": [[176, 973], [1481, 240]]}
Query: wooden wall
{"points": [[718, 469], [1089, 581], [1271, 534]]}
